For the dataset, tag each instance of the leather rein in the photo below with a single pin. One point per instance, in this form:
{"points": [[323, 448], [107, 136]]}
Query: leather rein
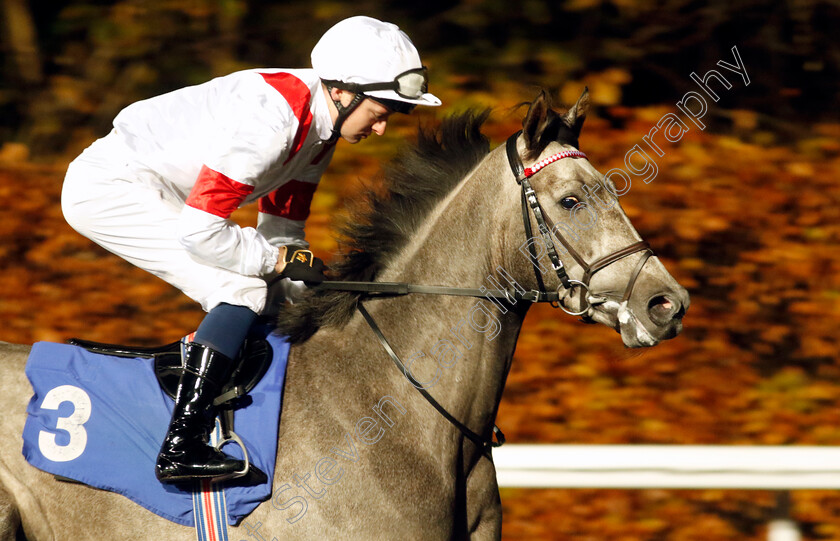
{"points": [[511, 295]]}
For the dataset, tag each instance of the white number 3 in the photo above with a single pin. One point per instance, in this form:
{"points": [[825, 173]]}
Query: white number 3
{"points": [[72, 424]]}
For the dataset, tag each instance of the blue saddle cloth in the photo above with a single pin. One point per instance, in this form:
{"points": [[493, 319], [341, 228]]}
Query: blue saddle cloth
{"points": [[100, 420]]}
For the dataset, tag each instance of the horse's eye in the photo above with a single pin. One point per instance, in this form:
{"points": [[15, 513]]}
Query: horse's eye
{"points": [[569, 202]]}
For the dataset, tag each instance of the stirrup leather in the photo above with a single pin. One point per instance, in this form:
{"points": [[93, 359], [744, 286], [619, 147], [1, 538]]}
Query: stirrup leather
{"points": [[117, 350]]}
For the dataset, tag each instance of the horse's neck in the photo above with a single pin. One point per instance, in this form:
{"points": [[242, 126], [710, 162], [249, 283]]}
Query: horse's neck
{"points": [[458, 246]]}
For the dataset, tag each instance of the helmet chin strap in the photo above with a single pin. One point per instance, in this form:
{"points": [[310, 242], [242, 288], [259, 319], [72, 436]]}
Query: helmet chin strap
{"points": [[343, 112]]}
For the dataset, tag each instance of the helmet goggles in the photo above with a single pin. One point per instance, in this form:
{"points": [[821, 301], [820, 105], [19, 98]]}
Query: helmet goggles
{"points": [[411, 84]]}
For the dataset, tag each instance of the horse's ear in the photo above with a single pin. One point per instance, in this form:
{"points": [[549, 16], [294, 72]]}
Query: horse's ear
{"points": [[575, 116], [538, 123]]}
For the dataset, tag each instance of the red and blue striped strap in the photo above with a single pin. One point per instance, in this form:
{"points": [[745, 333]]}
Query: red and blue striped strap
{"points": [[209, 505]]}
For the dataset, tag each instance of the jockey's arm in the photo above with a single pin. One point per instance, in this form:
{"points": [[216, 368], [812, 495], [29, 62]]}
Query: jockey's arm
{"points": [[283, 213], [236, 162], [205, 229], [222, 243]]}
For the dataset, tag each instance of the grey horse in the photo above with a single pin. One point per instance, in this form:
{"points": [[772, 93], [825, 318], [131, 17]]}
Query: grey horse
{"points": [[361, 454]]}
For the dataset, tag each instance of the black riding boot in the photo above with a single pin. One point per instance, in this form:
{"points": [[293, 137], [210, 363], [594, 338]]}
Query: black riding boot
{"points": [[185, 453]]}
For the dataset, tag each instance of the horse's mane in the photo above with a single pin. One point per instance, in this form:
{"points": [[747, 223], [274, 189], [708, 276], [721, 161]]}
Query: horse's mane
{"points": [[384, 220]]}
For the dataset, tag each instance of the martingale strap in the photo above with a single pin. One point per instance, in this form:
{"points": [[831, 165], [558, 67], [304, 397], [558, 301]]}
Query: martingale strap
{"points": [[486, 445]]}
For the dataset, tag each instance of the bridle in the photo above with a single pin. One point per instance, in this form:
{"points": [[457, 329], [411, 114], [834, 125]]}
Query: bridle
{"points": [[547, 230], [510, 295]]}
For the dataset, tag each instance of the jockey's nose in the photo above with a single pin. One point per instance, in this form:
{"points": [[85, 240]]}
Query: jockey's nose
{"points": [[664, 308], [379, 127]]}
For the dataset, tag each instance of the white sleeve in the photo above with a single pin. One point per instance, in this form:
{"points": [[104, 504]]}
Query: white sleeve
{"points": [[280, 231], [250, 137], [222, 243]]}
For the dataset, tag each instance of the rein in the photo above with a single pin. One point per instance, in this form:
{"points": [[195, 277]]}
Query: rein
{"points": [[511, 295], [396, 289]]}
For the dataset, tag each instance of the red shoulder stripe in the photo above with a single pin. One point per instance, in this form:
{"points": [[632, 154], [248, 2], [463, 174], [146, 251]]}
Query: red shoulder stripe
{"points": [[291, 200], [216, 193], [297, 95]]}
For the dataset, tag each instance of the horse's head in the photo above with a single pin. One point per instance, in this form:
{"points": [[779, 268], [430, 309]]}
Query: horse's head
{"points": [[603, 270]]}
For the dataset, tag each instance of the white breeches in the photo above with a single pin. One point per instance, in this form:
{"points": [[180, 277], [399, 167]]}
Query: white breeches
{"points": [[115, 203]]}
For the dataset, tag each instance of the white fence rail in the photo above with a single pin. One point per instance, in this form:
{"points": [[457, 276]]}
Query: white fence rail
{"points": [[674, 467], [668, 466]]}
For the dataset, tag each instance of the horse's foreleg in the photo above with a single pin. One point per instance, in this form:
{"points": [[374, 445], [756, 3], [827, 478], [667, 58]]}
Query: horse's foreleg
{"points": [[9, 517], [484, 507]]}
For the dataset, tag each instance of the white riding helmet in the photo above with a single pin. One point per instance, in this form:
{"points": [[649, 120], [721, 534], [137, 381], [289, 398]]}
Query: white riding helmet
{"points": [[374, 58]]}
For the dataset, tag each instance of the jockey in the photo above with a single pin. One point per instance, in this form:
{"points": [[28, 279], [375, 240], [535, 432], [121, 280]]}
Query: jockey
{"points": [[159, 190]]}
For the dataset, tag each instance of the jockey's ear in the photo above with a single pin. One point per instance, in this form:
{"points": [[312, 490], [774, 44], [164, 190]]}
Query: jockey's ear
{"points": [[338, 93], [575, 116], [539, 127]]}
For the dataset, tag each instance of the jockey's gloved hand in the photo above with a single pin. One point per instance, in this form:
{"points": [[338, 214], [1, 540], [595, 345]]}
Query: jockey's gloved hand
{"points": [[303, 266]]}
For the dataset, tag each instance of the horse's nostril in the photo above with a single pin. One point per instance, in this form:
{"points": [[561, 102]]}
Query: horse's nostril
{"points": [[660, 301], [663, 309]]}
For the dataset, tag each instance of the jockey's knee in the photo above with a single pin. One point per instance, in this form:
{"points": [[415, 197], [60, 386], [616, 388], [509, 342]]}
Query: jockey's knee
{"points": [[247, 291]]}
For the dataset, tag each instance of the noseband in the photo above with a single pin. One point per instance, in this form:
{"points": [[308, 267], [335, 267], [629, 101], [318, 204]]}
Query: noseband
{"points": [[548, 231]]}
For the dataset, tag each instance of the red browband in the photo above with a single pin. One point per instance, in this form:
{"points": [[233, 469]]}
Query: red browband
{"points": [[529, 171]]}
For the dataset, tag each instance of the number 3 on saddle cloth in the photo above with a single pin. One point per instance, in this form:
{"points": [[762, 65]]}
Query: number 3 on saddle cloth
{"points": [[100, 420]]}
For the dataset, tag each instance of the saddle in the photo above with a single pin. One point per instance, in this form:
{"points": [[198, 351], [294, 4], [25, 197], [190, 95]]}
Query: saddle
{"points": [[251, 365]]}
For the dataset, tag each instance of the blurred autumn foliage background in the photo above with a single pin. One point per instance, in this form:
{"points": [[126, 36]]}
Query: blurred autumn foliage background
{"points": [[745, 214]]}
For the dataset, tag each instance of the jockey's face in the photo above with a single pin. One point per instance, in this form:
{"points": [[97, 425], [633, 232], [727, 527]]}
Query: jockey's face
{"points": [[369, 117]]}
